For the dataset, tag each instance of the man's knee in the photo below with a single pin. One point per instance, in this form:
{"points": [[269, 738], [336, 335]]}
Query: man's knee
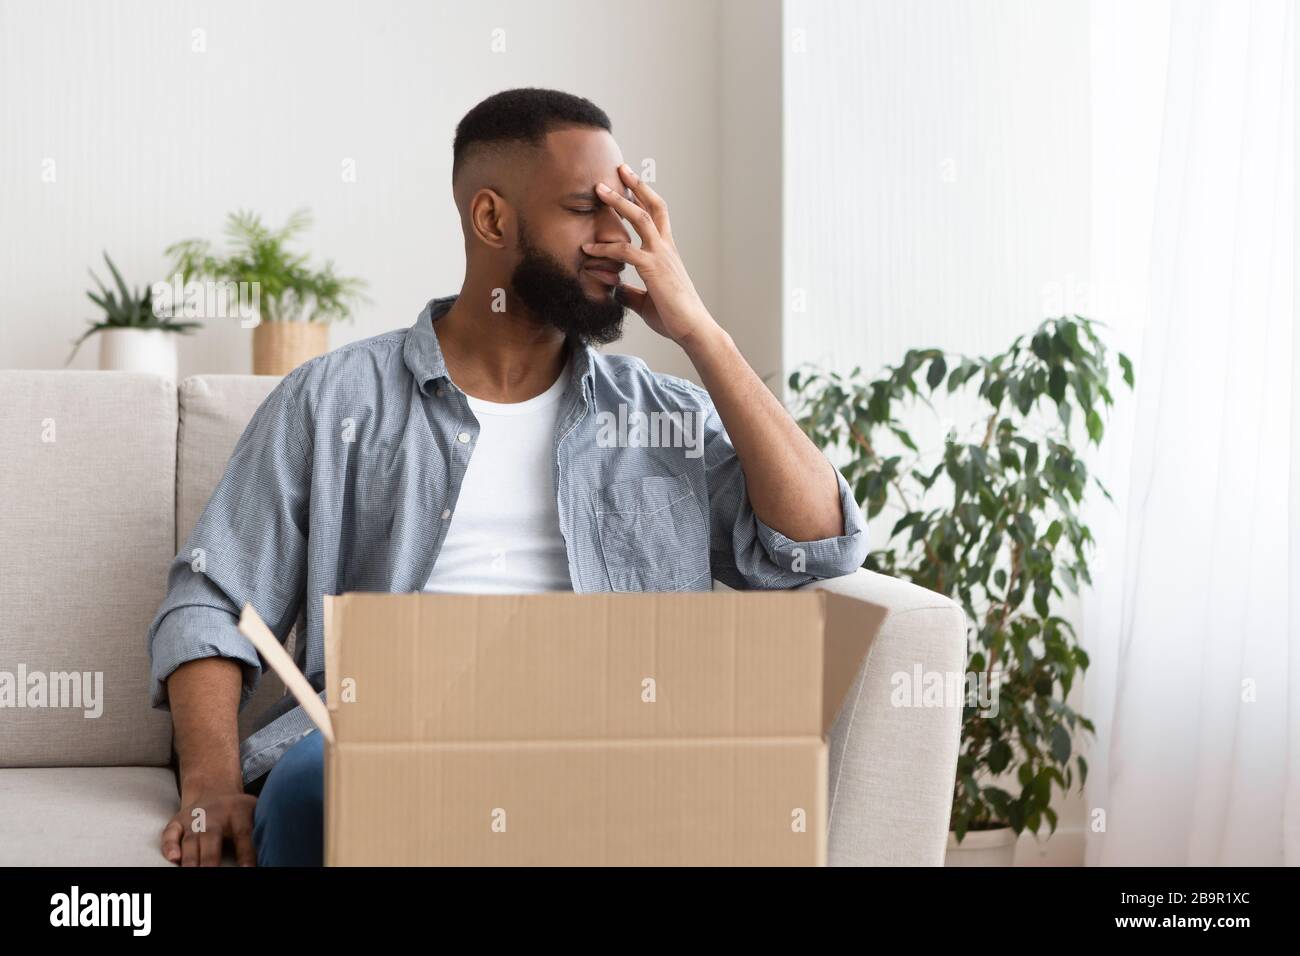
{"points": [[301, 770], [290, 808]]}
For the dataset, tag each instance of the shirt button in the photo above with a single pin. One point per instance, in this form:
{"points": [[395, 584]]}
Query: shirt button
{"points": [[463, 438], [446, 513]]}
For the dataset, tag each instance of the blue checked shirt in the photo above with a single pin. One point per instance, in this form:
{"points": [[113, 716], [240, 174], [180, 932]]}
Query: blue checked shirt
{"points": [[346, 477]]}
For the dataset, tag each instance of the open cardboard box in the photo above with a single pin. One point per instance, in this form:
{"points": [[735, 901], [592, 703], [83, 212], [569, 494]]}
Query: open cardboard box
{"points": [[579, 729]]}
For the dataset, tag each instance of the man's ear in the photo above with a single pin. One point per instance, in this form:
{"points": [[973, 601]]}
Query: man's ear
{"points": [[491, 219]]}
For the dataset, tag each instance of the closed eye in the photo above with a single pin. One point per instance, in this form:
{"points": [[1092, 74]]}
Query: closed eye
{"points": [[587, 211]]}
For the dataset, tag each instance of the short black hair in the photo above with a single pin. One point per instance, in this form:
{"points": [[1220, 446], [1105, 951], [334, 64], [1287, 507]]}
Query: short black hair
{"points": [[522, 116]]}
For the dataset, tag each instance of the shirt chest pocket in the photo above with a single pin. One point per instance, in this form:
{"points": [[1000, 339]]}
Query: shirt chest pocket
{"points": [[373, 500], [654, 535]]}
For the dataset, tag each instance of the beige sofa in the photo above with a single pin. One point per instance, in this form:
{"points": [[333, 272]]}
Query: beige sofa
{"points": [[102, 476]]}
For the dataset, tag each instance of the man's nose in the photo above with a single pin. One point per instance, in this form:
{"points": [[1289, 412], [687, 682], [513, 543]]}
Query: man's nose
{"points": [[610, 226]]}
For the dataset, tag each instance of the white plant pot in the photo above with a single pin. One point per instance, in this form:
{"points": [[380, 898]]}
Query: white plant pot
{"points": [[982, 848], [138, 350]]}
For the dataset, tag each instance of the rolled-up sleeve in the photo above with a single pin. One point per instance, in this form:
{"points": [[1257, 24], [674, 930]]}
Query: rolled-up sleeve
{"points": [[249, 546], [748, 554]]}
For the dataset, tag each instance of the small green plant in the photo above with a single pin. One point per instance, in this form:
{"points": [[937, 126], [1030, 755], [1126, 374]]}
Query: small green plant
{"points": [[999, 536], [124, 308], [288, 289]]}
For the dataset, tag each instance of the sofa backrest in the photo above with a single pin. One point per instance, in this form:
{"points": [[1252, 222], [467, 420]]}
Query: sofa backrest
{"points": [[102, 477], [87, 529]]}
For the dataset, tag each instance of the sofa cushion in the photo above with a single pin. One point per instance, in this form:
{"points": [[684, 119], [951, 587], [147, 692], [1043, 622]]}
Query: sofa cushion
{"points": [[85, 816], [86, 534]]}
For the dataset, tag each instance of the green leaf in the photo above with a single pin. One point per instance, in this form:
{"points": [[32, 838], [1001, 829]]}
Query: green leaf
{"points": [[878, 404], [904, 437], [996, 391], [938, 369], [1127, 366], [919, 530], [1056, 383], [117, 277], [999, 756], [960, 826], [1043, 787], [1025, 774], [905, 522], [998, 799], [961, 374], [1060, 743], [1068, 577], [1063, 410], [1070, 332], [1026, 398], [1095, 427]]}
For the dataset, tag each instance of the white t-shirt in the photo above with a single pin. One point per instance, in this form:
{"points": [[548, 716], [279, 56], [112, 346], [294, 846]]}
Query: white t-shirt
{"points": [[504, 536]]}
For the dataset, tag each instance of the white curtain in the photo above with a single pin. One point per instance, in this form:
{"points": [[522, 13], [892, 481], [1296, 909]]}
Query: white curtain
{"points": [[1194, 626]]}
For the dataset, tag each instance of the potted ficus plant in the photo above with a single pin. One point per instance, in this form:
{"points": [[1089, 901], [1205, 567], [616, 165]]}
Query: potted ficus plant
{"points": [[294, 302], [993, 522], [132, 338]]}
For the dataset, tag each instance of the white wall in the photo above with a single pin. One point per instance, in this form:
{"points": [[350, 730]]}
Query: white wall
{"points": [[152, 141], [936, 192], [936, 175], [750, 180]]}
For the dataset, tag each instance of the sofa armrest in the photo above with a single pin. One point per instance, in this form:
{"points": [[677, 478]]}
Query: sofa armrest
{"points": [[893, 763]]}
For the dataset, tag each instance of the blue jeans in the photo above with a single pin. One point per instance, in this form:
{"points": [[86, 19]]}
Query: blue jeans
{"points": [[289, 819]]}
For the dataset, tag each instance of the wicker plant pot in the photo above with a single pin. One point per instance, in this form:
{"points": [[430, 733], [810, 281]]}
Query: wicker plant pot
{"points": [[280, 347]]}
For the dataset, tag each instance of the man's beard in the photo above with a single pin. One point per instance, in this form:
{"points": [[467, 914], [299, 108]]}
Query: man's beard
{"points": [[558, 299]]}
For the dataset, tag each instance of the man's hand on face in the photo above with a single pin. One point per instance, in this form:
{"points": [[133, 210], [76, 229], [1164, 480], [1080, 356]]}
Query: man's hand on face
{"points": [[669, 303]]}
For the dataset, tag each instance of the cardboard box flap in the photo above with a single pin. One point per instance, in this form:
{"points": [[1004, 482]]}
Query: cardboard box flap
{"points": [[254, 628], [331, 634], [850, 633], [441, 667]]}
